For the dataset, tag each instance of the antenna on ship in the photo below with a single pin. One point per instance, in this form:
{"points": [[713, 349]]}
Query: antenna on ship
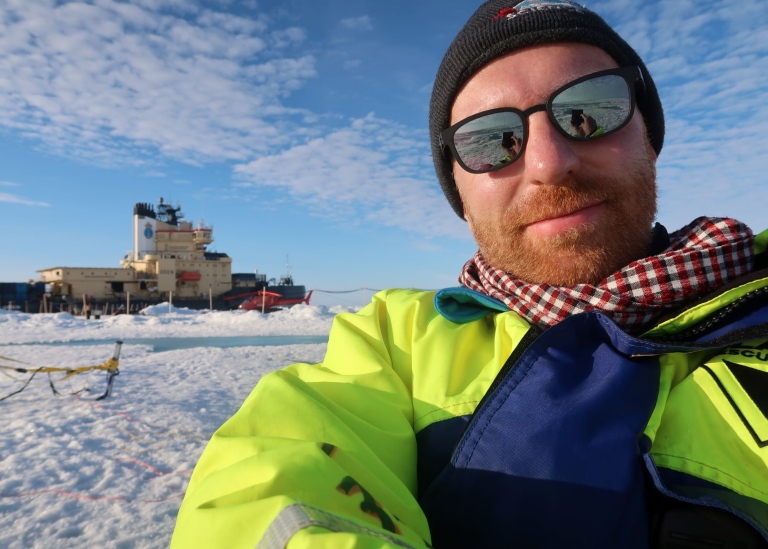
{"points": [[168, 214], [288, 278]]}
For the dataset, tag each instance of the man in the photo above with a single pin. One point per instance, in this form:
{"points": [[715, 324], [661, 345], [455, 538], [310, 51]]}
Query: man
{"points": [[594, 382]]}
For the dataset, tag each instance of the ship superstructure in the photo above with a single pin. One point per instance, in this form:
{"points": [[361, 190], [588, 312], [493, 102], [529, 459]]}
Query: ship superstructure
{"points": [[172, 253], [170, 259], [169, 256]]}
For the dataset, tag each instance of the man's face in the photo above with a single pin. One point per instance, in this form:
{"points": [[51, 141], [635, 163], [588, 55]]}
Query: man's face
{"points": [[566, 212]]}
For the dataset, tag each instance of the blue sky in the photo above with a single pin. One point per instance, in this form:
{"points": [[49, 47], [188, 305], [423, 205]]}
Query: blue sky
{"points": [[298, 128]]}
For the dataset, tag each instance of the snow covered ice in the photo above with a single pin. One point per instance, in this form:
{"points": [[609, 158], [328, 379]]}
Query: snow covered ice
{"points": [[79, 473]]}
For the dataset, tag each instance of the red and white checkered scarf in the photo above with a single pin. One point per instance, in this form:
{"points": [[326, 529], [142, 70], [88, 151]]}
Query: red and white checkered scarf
{"points": [[701, 257]]}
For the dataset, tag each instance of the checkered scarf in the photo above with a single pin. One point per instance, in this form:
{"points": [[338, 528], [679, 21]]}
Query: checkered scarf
{"points": [[701, 257]]}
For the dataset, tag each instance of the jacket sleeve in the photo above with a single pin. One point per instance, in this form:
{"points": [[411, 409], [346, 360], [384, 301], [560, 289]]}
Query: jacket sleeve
{"points": [[319, 455]]}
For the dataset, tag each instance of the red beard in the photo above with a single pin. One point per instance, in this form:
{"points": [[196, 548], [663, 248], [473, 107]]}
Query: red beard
{"points": [[585, 254]]}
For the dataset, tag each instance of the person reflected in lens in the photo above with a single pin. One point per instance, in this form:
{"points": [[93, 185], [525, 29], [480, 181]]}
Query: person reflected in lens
{"points": [[511, 146], [584, 125]]}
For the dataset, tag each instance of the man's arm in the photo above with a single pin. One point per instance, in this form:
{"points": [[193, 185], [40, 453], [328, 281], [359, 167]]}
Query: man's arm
{"points": [[321, 455]]}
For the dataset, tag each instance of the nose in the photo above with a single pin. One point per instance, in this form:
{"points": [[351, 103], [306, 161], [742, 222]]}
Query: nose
{"points": [[549, 157]]}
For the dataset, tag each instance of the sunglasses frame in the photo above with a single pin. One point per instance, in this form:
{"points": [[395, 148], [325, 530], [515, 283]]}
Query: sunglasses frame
{"points": [[633, 76]]}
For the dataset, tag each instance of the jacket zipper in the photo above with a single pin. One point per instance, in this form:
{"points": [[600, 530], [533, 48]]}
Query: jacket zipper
{"points": [[717, 320]]}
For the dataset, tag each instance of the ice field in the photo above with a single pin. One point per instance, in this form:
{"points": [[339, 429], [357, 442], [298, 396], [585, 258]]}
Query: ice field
{"points": [[75, 472]]}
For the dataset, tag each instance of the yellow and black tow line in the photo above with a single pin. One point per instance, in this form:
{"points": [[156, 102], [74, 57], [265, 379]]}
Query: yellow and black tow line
{"points": [[110, 366]]}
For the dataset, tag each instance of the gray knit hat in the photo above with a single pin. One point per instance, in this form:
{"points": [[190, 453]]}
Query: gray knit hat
{"points": [[501, 26]]}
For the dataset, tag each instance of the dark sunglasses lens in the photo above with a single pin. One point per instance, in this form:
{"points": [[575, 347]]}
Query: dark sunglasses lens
{"points": [[593, 107], [490, 141]]}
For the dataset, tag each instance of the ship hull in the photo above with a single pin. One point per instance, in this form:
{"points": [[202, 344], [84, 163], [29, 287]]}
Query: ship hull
{"points": [[28, 298]]}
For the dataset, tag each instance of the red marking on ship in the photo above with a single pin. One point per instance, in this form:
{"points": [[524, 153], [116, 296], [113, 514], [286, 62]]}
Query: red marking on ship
{"points": [[189, 276]]}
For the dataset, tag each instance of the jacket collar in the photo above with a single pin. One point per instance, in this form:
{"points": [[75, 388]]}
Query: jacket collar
{"points": [[462, 305]]}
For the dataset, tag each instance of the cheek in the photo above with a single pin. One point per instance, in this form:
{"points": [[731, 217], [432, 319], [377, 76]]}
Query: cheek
{"points": [[633, 136], [487, 195], [612, 154], [475, 190]]}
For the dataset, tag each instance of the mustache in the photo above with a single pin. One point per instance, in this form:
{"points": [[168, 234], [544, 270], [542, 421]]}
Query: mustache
{"points": [[551, 201]]}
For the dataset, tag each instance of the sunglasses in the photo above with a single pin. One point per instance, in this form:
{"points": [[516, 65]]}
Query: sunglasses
{"points": [[587, 108]]}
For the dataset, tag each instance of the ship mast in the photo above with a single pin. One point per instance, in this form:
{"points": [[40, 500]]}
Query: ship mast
{"points": [[287, 279]]}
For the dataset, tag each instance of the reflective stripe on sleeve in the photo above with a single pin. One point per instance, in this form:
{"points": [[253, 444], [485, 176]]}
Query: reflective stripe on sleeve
{"points": [[299, 516]]}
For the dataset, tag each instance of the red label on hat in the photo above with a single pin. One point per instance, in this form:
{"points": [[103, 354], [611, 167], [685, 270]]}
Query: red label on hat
{"points": [[527, 5], [505, 12]]}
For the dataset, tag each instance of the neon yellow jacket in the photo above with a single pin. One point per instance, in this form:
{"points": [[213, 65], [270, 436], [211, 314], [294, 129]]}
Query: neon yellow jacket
{"points": [[325, 455]]}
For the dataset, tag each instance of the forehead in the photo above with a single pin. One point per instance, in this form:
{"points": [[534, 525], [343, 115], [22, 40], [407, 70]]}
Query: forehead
{"points": [[527, 77]]}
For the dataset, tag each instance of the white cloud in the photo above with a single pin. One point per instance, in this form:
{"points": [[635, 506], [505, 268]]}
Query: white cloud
{"points": [[109, 82], [118, 83], [351, 64], [288, 37], [362, 23], [8, 198], [373, 170], [232, 23], [14, 199]]}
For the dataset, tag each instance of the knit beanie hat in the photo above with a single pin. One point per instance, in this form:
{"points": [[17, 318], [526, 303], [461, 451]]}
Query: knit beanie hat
{"points": [[499, 27]]}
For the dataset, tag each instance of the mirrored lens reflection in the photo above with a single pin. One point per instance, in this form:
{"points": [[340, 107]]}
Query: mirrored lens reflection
{"points": [[489, 141], [593, 107]]}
